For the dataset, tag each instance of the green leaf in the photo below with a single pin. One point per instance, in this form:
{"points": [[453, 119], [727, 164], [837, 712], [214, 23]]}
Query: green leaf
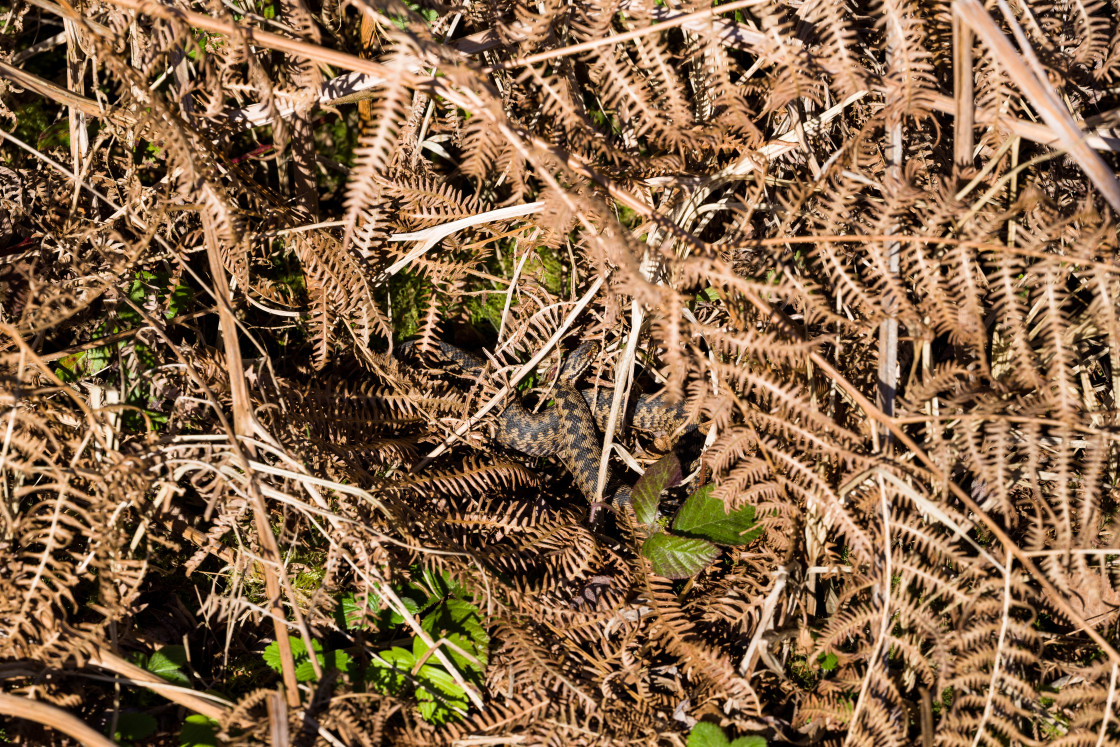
{"points": [[678, 557], [411, 604], [133, 725], [437, 679], [439, 695], [355, 613], [665, 473], [439, 584], [271, 653], [460, 622], [705, 734], [271, 656], [179, 301], [339, 660], [389, 669], [399, 658], [828, 661], [198, 731], [703, 516], [438, 711], [168, 663], [749, 742]]}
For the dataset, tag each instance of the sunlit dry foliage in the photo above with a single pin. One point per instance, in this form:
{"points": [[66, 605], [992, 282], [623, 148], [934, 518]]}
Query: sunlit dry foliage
{"points": [[829, 229]]}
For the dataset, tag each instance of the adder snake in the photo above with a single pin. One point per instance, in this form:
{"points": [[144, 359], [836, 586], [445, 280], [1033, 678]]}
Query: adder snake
{"points": [[570, 430]]}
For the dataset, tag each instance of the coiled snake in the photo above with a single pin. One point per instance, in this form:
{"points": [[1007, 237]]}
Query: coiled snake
{"points": [[570, 429]]}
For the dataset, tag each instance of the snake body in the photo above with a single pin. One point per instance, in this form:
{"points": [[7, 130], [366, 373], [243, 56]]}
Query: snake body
{"points": [[570, 430]]}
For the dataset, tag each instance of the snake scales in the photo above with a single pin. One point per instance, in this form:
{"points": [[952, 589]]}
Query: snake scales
{"points": [[570, 430]]}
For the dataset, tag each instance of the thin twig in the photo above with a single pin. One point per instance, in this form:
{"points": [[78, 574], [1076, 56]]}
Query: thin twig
{"points": [[993, 678], [431, 236], [1108, 706]]}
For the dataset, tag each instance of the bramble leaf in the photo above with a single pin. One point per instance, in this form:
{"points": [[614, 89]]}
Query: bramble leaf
{"points": [[198, 731], [665, 473], [706, 734], [704, 516], [168, 663], [678, 557]]}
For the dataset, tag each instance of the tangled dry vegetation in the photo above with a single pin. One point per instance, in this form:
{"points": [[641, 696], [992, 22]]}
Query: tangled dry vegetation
{"points": [[871, 245]]}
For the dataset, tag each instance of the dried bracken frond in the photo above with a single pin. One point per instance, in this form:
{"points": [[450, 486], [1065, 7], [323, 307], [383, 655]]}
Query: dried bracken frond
{"points": [[881, 317]]}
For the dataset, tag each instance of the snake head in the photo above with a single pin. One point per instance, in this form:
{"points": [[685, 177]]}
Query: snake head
{"points": [[578, 361]]}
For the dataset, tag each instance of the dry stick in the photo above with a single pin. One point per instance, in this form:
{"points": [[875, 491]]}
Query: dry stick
{"points": [[989, 166], [993, 679], [888, 329], [433, 235], [623, 376], [765, 619], [963, 86], [1006, 177], [511, 284], [60, 95], [50, 7], [243, 421], [55, 718], [39, 48], [884, 623], [1107, 707], [521, 373], [278, 719], [1048, 588], [887, 390], [1042, 98], [205, 704], [681, 20]]}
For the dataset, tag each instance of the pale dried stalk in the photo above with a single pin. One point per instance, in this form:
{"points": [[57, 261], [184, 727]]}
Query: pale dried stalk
{"points": [[690, 20], [431, 236], [53, 717], [873, 660], [202, 703], [1042, 98]]}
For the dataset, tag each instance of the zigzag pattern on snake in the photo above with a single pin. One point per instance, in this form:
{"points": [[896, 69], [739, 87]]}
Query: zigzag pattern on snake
{"points": [[570, 430]]}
